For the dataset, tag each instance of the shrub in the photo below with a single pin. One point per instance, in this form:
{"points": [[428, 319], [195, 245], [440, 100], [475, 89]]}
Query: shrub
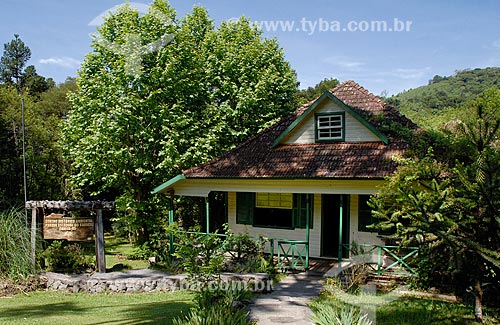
{"points": [[218, 307], [328, 313], [202, 256], [158, 246], [66, 258], [15, 245], [331, 308], [216, 315], [247, 254]]}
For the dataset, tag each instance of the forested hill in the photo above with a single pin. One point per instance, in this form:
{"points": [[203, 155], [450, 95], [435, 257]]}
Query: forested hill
{"points": [[433, 105]]}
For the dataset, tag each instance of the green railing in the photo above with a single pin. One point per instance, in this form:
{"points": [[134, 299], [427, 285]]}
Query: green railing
{"points": [[399, 256], [291, 254]]}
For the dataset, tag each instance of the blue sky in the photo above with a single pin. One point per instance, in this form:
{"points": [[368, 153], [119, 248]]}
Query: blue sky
{"points": [[321, 38]]}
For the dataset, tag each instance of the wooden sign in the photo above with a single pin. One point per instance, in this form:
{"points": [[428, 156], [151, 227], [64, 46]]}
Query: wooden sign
{"points": [[57, 226]]}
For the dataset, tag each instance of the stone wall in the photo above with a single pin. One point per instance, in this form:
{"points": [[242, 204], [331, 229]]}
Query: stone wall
{"points": [[146, 280]]}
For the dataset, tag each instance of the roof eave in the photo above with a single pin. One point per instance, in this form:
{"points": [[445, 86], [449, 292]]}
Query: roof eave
{"points": [[168, 184]]}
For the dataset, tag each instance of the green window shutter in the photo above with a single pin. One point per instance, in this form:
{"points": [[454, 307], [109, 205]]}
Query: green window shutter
{"points": [[245, 204], [364, 214], [300, 210]]}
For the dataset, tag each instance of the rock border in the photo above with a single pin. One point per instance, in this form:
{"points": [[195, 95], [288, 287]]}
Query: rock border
{"points": [[146, 280]]}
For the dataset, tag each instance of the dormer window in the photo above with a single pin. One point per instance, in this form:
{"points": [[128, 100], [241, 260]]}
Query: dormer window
{"points": [[330, 127]]}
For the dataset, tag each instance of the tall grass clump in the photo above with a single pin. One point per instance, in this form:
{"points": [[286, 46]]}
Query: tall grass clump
{"points": [[15, 245]]}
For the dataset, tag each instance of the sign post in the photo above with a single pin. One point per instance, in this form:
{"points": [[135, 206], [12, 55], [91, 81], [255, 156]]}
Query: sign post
{"points": [[99, 243], [57, 226]]}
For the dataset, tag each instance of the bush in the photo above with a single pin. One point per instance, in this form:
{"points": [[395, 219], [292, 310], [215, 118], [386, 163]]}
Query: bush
{"points": [[15, 245], [66, 258], [327, 313], [202, 256], [246, 254], [158, 246], [337, 306], [218, 307], [216, 315]]}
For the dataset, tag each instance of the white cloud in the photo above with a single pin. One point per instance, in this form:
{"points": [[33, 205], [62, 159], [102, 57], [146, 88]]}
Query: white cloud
{"points": [[410, 73], [64, 62], [344, 62]]}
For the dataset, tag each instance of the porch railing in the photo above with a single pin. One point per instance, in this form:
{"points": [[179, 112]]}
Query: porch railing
{"points": [[292, 254], [387, 258]]}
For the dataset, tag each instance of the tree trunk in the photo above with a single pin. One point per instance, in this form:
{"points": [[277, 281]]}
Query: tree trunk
{"points": [[478, 301]]}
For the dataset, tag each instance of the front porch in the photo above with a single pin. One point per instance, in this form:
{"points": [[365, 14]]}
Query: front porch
{"points": [[383, 259]]}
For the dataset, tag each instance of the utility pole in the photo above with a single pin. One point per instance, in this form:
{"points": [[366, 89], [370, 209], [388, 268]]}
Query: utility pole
{"points": [[24, 156]]}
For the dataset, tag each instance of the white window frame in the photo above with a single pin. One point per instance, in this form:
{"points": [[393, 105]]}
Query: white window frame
{"points": [[333, 123]]}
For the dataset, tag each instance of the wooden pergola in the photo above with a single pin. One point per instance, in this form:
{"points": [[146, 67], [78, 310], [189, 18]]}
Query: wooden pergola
{"points": [[96, 206]]}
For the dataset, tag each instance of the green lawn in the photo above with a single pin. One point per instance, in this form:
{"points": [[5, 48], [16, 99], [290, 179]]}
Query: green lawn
{"points": [[409, 310], [393, 309], [82, 308]]}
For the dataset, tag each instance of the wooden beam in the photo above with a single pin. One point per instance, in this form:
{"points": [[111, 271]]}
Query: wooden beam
{"points": [[99, 243], [71, 205]]}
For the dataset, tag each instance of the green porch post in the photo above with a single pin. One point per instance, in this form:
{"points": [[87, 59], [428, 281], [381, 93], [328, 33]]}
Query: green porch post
{"points": [[308, 216], [341, 215], [207, 208], [171, 221]]}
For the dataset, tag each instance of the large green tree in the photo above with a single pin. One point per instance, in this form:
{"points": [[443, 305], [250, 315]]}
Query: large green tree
{"points": [[452, 210], [158, 95]]}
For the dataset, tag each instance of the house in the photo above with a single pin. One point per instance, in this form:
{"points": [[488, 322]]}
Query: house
{"points": [[306, 180]]}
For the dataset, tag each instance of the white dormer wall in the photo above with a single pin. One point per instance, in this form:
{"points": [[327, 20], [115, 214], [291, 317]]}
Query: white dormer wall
{"points": [[303, 133]]}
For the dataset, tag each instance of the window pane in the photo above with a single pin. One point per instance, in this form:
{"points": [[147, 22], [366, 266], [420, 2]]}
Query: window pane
{"points": [[330, 127], [274, 200]]}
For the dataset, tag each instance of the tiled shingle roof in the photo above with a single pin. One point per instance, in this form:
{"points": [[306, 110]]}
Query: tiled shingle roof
{"points": [[257, 158]]}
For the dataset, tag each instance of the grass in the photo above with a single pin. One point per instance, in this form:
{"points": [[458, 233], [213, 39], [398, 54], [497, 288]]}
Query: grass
{"points": [[83, 308], [15, 244], [117, 250], [409, 310], [403, 310]]}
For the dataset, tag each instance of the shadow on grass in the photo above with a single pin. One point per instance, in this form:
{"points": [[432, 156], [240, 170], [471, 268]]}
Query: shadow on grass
{"points": [[155, 313], [38, 311], [106, 313], [150, 313]]}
